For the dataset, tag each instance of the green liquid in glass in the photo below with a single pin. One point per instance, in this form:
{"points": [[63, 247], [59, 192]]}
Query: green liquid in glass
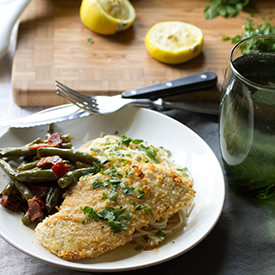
{"points": [[247, 127]]}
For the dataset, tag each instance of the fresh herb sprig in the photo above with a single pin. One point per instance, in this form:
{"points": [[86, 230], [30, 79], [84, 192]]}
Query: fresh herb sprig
{"points": [[250, 30], [226, 8]]}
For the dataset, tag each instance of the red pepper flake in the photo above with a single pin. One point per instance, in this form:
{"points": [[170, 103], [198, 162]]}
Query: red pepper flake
{"points": [[50, 160], [60, 169]]}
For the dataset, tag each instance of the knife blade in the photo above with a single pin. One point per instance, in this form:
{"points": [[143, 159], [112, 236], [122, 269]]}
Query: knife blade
{"points": [[70, 111], [47, 116]]}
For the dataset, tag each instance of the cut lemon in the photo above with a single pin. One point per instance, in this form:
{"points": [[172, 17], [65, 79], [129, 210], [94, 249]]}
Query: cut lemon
{"points": [[107, 16], [174, 42]]}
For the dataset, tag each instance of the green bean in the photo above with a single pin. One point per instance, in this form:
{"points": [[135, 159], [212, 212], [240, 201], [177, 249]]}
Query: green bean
{"points": [[36, 176], [8, 189], [27, 166], [68, 154], [26, 219], [53, 197], [66, 138], [73, 176], [7, 168], [20, 151], [67, 145], [51, 128], [23, 190]]}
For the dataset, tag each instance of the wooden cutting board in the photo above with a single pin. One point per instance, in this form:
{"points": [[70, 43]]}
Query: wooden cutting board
{"points": [[52, 45]]}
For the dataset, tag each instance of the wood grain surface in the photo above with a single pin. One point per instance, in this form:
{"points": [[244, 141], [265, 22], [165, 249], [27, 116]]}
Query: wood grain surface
{"points": [[52, 45]]}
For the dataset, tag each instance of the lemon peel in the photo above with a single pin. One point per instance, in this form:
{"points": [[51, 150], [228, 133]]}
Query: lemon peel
{"points": [[107, 16]]}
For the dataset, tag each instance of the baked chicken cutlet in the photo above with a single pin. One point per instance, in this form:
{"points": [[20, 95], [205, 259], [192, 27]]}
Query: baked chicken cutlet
{"points": [[103, 211], [138, 195]]}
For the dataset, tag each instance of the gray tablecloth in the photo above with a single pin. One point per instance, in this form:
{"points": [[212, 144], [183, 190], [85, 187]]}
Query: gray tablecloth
{"points": [[242, 242]]}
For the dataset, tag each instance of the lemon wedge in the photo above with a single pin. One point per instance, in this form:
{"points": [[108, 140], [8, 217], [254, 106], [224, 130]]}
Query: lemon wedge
{"points": [[174, 42], [107, 16]]}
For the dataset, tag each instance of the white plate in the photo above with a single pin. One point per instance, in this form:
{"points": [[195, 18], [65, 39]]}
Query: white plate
{"points": [[187, 148]]}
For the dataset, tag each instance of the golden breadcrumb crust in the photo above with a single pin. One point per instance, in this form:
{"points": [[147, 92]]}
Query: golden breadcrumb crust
{"points": [[64, 234]]}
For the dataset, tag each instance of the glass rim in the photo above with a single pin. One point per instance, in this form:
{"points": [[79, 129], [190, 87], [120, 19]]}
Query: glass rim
{"points": [[239, 75]]}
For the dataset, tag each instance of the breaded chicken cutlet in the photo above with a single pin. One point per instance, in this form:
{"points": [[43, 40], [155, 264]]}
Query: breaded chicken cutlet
{"points": [[102, 211]]}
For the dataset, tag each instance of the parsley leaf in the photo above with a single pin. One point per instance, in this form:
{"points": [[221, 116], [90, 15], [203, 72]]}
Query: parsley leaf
{"points": [[250, 29], [127, 189], [141, 194], [115, 225], [160, 234], [112, 216], [227, 8], [150, 153], [90, 40]]}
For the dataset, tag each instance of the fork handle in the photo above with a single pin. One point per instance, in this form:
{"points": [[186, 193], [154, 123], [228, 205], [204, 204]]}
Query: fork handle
{"points": [[177, 86]]}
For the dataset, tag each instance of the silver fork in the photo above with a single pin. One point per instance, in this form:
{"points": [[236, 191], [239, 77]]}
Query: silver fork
{"points": [[149, 96], [99, 104]]}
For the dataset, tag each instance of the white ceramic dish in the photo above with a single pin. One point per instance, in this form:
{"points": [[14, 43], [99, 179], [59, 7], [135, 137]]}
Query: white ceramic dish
{"points": [[187, 148]]}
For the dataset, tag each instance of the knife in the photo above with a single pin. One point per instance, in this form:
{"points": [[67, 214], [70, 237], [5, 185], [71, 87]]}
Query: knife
{"points": [[182, 85], [70, 111], [47, 116]]}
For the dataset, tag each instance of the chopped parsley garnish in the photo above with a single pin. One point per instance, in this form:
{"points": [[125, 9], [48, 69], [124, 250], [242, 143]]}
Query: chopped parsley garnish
{"points": [[167, 151], [127, 189], [113, 217], [90, 40], [150, 153], [145, 207], [160, 234], [97, 184], [103, 160], [141, 194], [129, 172], [113, 194], [126, 141], [112, 172], [92, 214], [115, 225]]}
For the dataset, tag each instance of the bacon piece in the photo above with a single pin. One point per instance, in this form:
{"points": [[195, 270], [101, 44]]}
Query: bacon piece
{"points": [[53, 141], [35, 208], [50, 160]]}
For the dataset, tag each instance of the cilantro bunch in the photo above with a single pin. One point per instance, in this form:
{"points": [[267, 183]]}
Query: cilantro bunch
{"points": [[226, 8]]}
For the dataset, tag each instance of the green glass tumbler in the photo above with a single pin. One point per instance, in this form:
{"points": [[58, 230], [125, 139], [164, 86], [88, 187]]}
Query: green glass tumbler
{"points": [[247, 117]]}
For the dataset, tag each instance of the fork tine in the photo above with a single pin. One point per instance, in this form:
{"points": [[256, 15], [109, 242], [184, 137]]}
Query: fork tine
{"points": [[73, 92], [82, 101], [78, 102]]}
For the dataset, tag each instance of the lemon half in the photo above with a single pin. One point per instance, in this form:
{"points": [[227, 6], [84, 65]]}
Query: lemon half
{"points": [[174, 42], [107, 16]]}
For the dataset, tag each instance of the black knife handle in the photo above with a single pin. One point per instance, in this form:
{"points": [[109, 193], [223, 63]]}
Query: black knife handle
{"points": [[177, 86]]}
